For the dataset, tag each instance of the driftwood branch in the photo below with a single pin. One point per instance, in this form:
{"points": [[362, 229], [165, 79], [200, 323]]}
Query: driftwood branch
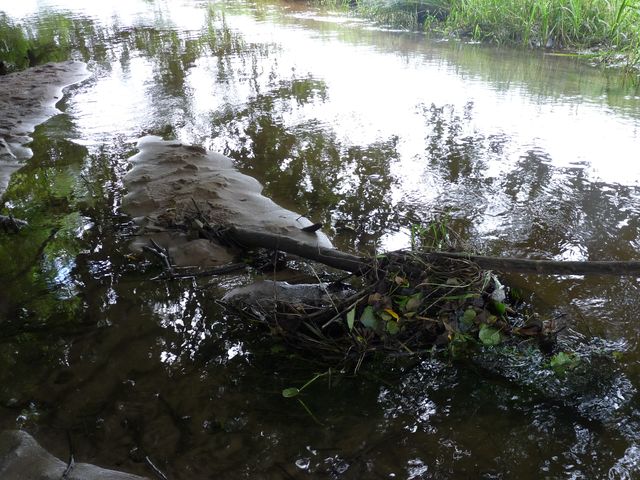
{"points": [[162, 253], [327, 256], [356, 264]]}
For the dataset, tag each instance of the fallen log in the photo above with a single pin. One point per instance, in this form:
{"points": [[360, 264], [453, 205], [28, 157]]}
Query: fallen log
{"points": [[359, 264]]}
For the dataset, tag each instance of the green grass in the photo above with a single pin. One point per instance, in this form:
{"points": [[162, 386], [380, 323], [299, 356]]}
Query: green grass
{"points": [[560, 23], [610, 26]]}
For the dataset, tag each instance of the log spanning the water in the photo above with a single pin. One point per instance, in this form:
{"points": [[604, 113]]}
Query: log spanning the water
{"points": [[548, 267], [357, 264]]}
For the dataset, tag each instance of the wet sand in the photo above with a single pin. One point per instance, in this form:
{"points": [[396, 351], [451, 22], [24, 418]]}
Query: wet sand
{"points": [[167, 178], [28, 98]]}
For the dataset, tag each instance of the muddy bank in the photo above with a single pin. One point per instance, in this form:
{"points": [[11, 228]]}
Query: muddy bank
{"points": [[168, 180], [27, 99]]}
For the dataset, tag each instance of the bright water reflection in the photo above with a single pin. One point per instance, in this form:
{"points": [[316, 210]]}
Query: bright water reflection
{"points": [[368, 131]]}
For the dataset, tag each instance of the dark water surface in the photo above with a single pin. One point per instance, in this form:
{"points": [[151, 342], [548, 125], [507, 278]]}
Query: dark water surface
{"points": [[368, 131]]}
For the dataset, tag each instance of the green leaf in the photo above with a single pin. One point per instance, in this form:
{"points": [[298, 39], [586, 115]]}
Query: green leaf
{"points": [[290, 392], [401, 302], [562, 361], [466, 320], [516, 294], [468, 317], [351, 318], [393, 327], [489, 336], [499, 307], [368, 318]]}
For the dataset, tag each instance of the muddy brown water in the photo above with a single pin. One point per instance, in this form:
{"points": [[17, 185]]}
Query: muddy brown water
{"points": [[369, 131]]}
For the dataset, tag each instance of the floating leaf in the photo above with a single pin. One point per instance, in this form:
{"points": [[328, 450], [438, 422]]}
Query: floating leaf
{"points": [[351, 318], [489, 336], [393, 327], [290, 392], [414, 302], [562, 361], [467, 319], [468, 316], [368, 318]]}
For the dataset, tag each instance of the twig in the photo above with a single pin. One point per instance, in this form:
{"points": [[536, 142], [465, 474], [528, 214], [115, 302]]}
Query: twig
{"points": [[324, 287], [155, 469], [224, 269], [71, 463], [162, 253]]}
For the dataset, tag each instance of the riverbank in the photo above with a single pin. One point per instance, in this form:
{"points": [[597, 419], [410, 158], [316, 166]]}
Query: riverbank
{"points": [[606, 32]]}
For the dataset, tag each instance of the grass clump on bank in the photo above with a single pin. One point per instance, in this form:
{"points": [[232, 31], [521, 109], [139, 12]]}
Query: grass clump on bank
{"points": [[609, 26]]}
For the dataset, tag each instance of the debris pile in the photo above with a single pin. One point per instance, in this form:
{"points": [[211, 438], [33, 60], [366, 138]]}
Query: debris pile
{"points": [[408, 303]]}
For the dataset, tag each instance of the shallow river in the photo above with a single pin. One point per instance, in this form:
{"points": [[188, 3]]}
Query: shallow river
{"points": [[369, 131]]}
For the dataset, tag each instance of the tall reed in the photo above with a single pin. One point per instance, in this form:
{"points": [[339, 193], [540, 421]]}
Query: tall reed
{"points": [[606, 24], [562, 23]]}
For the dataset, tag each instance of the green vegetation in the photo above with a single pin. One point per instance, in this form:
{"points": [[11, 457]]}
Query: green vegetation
{"points": [[610, 27]]}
